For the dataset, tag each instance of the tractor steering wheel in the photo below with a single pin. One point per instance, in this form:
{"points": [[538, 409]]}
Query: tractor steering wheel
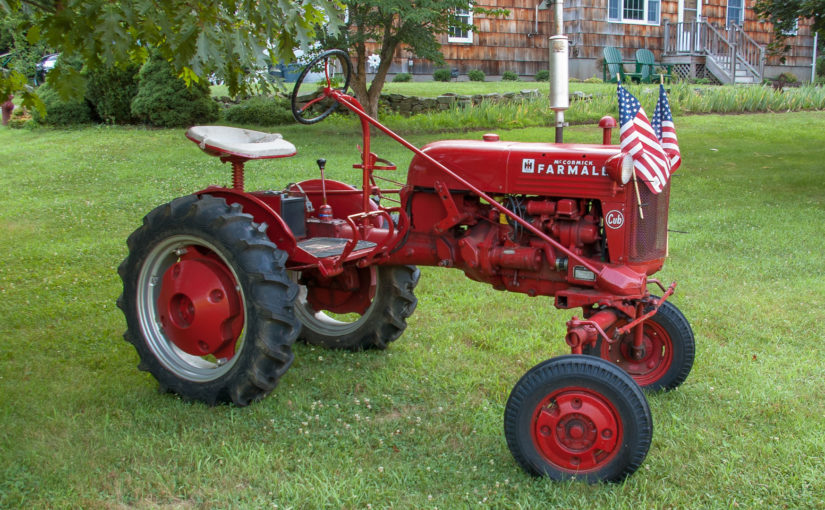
{"points": [[325, 63]]}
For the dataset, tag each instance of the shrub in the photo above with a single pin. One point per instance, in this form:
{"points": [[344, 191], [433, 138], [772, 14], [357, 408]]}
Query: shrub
{"points": [[509, 76], [593, 79], [787, 77], [543, 75], [111, 92], [20, 118], [402, 78], [62, 112], [164, 100], [476, 75], [442, 75], [261, 110]]}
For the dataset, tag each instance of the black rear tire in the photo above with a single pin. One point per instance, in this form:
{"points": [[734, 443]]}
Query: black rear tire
{"points": [[578, 417], [383, 322], [225, 245]]}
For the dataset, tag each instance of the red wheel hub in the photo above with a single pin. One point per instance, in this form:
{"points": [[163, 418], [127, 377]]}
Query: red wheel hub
{"points": [[199, 306], [577, 429], [656, 359]]}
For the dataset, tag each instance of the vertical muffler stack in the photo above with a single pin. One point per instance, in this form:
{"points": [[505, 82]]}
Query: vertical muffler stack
{"points": [[559, 97]]}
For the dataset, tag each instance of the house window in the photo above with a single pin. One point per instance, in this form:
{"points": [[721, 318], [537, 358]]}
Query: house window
{"points": [[458, 34], [634, 11], [793, 31], [736, 12]]}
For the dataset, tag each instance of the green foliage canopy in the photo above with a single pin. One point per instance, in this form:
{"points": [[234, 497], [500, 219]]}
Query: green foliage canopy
{"points": [[197, 37], [414, 24], [785, 13]]}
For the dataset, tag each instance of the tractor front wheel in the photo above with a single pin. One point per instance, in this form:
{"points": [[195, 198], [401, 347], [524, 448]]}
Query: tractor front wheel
{"points": [[668, 349], [578, 417], [369, 312], [207, 301]]}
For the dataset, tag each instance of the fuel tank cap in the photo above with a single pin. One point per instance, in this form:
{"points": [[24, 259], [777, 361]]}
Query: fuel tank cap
{"points": [[490, 137]]}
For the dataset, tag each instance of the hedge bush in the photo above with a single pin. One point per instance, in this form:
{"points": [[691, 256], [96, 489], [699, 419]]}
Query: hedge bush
{"points": [[111, 92], [62, 112], [164, 100], [402, 78], [543, 75], [509, 76], [442, 75], [261, 110], [476, 75]]}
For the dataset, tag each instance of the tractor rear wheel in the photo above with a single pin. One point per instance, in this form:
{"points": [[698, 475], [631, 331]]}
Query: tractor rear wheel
{"points": [[366, 315], [667, 355], [207, 301], [578, 417]]}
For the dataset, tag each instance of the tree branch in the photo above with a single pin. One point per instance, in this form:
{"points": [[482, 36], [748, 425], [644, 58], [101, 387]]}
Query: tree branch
{"points": [[43, 7]]}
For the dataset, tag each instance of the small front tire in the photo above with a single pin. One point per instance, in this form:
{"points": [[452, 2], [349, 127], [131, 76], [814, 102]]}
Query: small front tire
{"points": [[668, 350], [578, 417]]}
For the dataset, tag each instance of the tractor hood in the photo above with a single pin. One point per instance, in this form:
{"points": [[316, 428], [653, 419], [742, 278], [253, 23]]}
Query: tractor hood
{"points": [[517, 168]]}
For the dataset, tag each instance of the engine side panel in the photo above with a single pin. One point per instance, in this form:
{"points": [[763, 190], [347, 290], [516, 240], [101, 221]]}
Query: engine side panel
{"points": [[575, 170]]}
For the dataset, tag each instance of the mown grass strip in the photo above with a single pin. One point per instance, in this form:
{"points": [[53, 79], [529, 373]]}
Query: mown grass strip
{"points": [[418, 425]]}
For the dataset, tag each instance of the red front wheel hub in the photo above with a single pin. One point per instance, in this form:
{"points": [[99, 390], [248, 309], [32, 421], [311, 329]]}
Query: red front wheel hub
{"points": [[656, 354], [577, 429], [199, 306]]}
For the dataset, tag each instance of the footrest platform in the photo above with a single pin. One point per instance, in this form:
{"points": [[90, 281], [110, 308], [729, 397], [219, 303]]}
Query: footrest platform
{"points": [[322, 247]]}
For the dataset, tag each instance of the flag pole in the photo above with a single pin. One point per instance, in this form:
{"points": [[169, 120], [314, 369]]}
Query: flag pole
{"points": [[635, 182], [638, 197]]}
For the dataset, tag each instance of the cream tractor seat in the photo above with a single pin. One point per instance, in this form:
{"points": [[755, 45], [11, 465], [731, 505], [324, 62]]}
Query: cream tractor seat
{"points": [[238, 143]]}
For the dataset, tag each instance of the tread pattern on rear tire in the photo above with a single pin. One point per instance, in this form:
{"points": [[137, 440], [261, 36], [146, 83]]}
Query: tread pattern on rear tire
{"points": [[270, 325], [394, 302]]}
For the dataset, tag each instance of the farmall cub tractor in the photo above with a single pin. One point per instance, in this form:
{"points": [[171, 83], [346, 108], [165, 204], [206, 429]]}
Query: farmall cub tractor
{"points": [[219, 284]]}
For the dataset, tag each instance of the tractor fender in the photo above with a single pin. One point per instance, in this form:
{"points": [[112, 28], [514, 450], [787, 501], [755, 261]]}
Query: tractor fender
{"points": [[262, 212]]}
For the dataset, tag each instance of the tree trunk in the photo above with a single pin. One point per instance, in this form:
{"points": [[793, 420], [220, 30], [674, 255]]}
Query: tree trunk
{"points": [[369, 98]]}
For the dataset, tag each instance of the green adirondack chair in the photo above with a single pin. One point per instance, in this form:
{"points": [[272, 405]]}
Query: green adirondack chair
{"points": [[649, 70], [613, 65]]}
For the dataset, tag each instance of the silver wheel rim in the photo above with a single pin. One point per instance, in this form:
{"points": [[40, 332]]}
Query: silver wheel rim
{"points": [[186, 366], [322, 323]]}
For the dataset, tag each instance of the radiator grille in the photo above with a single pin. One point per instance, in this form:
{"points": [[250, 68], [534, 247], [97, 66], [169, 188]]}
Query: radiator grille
{"points": [[648, 239]]}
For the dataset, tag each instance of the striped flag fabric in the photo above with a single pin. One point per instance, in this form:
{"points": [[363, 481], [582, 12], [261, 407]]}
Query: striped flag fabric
{"points": [[637, 138], [665, 130]]}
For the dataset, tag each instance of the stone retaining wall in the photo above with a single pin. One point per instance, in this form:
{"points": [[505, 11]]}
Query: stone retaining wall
{"points": [[411, 105]]}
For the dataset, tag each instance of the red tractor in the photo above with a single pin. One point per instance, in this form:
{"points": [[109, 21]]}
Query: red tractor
{"points": [[219, 284]]}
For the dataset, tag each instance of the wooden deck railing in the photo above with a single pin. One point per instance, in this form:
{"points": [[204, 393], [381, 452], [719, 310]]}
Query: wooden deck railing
{"points": [[727, 47]]}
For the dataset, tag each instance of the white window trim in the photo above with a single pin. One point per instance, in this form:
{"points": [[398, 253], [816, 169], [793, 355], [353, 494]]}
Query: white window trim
{"points": [[469, 38], [741, 13], [623, 21], [794, 31]]}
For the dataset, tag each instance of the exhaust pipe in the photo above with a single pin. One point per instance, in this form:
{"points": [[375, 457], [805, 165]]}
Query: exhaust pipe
{"points": [[559, 95]]}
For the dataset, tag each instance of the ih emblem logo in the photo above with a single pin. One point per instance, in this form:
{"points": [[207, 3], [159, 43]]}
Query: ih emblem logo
{"points": [[614, 219], [528, 166]]}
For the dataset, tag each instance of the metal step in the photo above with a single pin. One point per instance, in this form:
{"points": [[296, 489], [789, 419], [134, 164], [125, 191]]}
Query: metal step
{"points": [[322, 247]]}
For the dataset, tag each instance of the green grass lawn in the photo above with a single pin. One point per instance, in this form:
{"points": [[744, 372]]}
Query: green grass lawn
{"points": [[420, 424]]}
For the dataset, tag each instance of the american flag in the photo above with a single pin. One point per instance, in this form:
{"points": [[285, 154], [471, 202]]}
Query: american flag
{"points": [[665, 130], [639, 140]]}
